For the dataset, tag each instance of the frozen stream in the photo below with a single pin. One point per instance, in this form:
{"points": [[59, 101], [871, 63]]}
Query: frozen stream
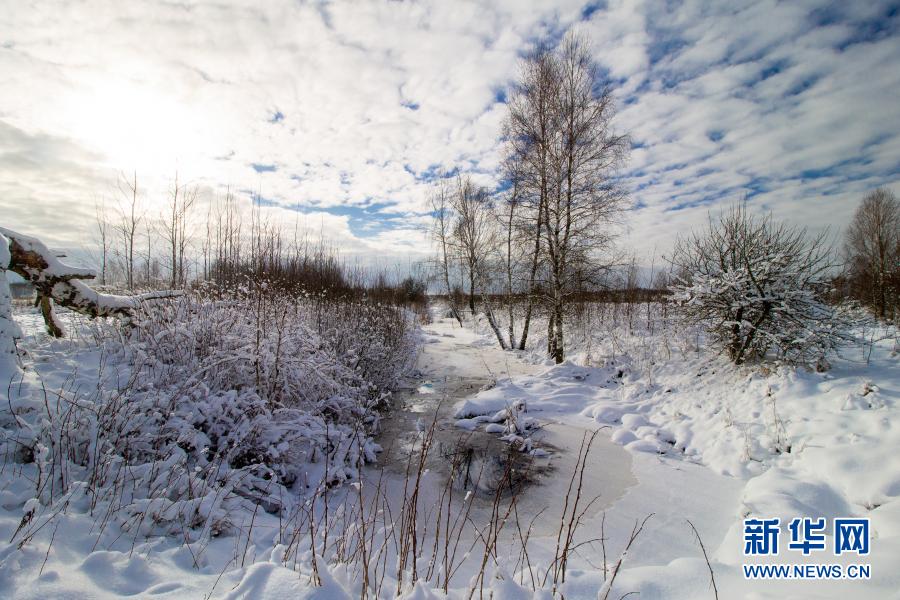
{"points": [[456, 363]]}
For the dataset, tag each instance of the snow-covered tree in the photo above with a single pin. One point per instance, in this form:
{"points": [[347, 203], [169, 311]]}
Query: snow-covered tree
{"points": [[758, 287]]}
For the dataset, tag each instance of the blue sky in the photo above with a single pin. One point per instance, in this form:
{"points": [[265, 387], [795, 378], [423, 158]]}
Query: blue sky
{"points": [[341, 115]]}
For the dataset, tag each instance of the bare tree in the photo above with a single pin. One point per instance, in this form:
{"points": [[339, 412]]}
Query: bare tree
{"points": [[471, 229], [206, 245], [175, 228], [565, 154], [228, 231], [440, 208], [584, 199], [103, 239], [527, 129], [758, 286], [188, 201], [872, 251], [129, 221], [474, 238], [506, 218], [149, 274]]}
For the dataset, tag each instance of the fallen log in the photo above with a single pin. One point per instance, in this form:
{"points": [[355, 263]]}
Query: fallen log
{"points": [[56, 282]]}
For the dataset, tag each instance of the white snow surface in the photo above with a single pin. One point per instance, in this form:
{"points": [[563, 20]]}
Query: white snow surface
{"points": [[790, 441], [707, 442]]}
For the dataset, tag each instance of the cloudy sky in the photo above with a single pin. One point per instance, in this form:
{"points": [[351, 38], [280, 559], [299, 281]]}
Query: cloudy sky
{"points": [[340, 115]]}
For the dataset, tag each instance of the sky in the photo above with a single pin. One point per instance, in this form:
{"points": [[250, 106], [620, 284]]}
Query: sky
{"points": [[340, 116]]}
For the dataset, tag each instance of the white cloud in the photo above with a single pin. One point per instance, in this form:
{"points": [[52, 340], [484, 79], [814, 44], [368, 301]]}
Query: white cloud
{"points": [[364, 93], [351, 102], [758, 100]]}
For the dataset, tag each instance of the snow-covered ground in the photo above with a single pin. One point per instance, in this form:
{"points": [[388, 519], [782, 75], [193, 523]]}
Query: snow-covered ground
{"points": [[686, 437], [715, 444]]}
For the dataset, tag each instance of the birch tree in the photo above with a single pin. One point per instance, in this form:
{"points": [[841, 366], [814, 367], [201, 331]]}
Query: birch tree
{"points": [[507, 214], [566, 154], [527, 130], [474, 237], [103, 239], [872, 251], [441, 209], [175, 222], [584, 199]]}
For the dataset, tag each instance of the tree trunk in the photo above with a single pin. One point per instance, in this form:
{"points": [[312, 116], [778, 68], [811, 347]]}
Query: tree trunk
{"points": [[53, 326], [531, 281], [509, 271], [9, 331], [558, 353], [454, 310], [489, 311], [512, 327], [526, 322], [735, 348], [748, 339], [551, 339]]}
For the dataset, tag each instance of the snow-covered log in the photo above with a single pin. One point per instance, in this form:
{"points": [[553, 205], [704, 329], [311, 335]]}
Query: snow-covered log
{"points": [[61, 283]]}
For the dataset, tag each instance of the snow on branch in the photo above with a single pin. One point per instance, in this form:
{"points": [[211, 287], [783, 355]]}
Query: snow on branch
{"points": [[759, 286], [57, 282]]}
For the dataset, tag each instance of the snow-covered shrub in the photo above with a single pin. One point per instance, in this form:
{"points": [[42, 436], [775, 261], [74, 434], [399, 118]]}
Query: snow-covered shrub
{"points": [[758, 287], [263, 375], [211, 400], [372, 339]]}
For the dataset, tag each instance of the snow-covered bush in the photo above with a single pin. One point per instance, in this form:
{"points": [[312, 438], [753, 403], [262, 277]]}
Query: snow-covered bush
{"points": [[210, 401], [758, 287]]}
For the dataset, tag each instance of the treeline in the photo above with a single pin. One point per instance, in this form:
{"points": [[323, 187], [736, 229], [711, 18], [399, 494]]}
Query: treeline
{"points": [[297, 264], [636, 295], [220, 241]]}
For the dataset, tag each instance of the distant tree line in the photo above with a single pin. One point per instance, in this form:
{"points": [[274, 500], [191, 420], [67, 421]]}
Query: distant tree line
{"points": [[221, 242]]}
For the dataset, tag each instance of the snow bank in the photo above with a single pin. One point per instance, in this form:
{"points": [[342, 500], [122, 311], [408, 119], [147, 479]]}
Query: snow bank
{"points": [[9, 331], [806, 443]]}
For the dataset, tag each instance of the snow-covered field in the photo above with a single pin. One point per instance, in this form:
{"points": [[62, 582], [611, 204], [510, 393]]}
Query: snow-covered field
{"points": [[687, 437], [782, 443]]}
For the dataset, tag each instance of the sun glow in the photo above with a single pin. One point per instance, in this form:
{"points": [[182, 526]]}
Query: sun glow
{"points": [[141, 128]]}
